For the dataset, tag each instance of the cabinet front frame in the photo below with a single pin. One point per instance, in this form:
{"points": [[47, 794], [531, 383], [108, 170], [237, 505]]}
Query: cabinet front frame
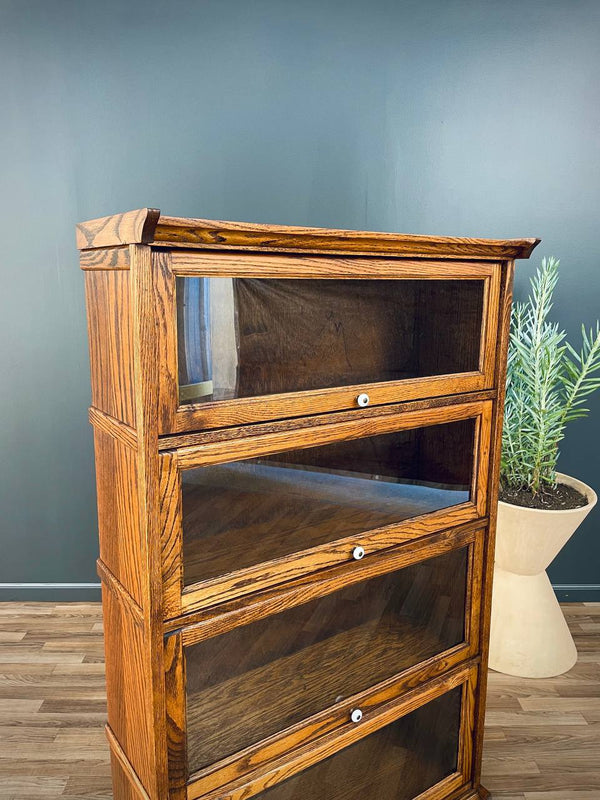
{"points": [[169, 265], [179, 598], [333, 721]]}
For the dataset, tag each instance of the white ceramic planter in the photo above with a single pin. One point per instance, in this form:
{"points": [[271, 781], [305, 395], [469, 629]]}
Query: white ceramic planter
{"points": [[529, 635]]}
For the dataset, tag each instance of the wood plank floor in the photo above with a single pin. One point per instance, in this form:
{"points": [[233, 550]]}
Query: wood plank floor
{"points": [[542, 737]]}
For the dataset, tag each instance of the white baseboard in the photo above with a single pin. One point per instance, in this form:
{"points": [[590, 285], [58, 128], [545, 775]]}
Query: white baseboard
{"points": [[64, 592], [49, 585], [577, 592], [576, 587], [50, 592]]}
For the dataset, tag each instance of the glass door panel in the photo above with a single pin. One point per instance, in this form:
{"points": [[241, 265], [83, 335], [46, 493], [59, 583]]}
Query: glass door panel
{"points": [[240, 514], [259, 679], [397, 762], [247, 337]]}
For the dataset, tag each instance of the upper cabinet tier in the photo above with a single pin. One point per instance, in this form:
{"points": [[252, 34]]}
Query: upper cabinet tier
{"points": [[298, 321]]}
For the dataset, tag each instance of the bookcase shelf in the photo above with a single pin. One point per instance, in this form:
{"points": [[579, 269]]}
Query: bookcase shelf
{"points": [[297, 439]]}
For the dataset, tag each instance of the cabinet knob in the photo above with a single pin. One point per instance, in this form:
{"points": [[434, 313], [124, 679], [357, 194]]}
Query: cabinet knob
{"points": [[358, 553], [356, 715], [363, 399]]}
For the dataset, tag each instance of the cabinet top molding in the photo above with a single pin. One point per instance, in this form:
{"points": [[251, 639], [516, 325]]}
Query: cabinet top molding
{"points": [[149, 226]]}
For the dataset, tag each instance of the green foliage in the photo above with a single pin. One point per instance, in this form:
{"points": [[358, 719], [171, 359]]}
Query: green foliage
{"points": [[548, 382]]}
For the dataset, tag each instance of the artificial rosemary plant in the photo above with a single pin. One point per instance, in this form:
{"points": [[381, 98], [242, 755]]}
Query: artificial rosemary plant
{"points": [[548, 382]]}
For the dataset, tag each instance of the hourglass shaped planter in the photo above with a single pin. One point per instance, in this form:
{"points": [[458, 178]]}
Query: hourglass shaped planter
{"points": [[529, 634]]}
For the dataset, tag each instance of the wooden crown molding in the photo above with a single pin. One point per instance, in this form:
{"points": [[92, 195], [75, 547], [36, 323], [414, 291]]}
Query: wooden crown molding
{"points": [[148, 226], [132, 227]]}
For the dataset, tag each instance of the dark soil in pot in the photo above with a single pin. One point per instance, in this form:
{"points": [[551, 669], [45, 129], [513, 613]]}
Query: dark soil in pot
{"points": [[560, 498]]}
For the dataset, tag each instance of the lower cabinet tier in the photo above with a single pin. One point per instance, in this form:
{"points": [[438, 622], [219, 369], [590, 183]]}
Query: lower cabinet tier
{"points": [[397, 762], [418, 746]]}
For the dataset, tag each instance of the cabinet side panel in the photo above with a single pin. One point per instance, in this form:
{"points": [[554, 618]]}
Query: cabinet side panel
{"points": [[128, 686], [493, 485], [123, 789], [125, 784], [118, 512], [111, 342]]}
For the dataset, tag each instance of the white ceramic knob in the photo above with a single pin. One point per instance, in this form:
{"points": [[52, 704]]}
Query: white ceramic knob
{"points": [[363, 399], [358, 553], [356, 715]]}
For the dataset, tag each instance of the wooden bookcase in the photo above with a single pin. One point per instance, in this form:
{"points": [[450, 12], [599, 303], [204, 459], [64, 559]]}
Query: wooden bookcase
{"points": [[297, 438]]}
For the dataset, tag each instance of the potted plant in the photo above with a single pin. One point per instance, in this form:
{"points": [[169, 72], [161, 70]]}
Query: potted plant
{"points": [[548, 382]]}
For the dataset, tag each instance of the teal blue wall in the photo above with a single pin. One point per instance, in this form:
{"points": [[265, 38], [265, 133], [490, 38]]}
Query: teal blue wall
{"points": [[468, 118]]}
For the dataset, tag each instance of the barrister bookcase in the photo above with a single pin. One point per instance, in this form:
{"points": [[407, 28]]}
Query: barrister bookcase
{"points": [[297, 438]]}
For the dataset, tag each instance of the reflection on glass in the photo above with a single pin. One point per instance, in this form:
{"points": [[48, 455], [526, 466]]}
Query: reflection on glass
{"points": [[244, 513], [266, 336], [194, 339], [261, 678]]}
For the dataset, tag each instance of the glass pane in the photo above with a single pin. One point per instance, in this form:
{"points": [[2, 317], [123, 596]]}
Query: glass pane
{"points": [[244, 513], [242, 337], [261, 678], [397, 762]]}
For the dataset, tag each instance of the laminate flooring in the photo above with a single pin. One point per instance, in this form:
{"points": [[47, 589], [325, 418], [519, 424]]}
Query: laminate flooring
{"points": [[542, 738]]}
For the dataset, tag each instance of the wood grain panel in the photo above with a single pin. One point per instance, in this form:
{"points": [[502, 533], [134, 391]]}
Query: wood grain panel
{"points": [[120, 594], [128, 686], [111, 343], [489, 329], [220, 452], [176, 722], [492, 500], [176, 231], [246, 410], [171, 535], [164, 313], [107, 258], [121, 546], [168, 442], [303, 335], [126, 783], [146, 371], [469, 700], [113, 427], [268, 265], [124, 787]]}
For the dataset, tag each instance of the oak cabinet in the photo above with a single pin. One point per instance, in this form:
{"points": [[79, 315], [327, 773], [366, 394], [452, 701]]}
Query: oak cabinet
{"points": [[297, 442]]}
